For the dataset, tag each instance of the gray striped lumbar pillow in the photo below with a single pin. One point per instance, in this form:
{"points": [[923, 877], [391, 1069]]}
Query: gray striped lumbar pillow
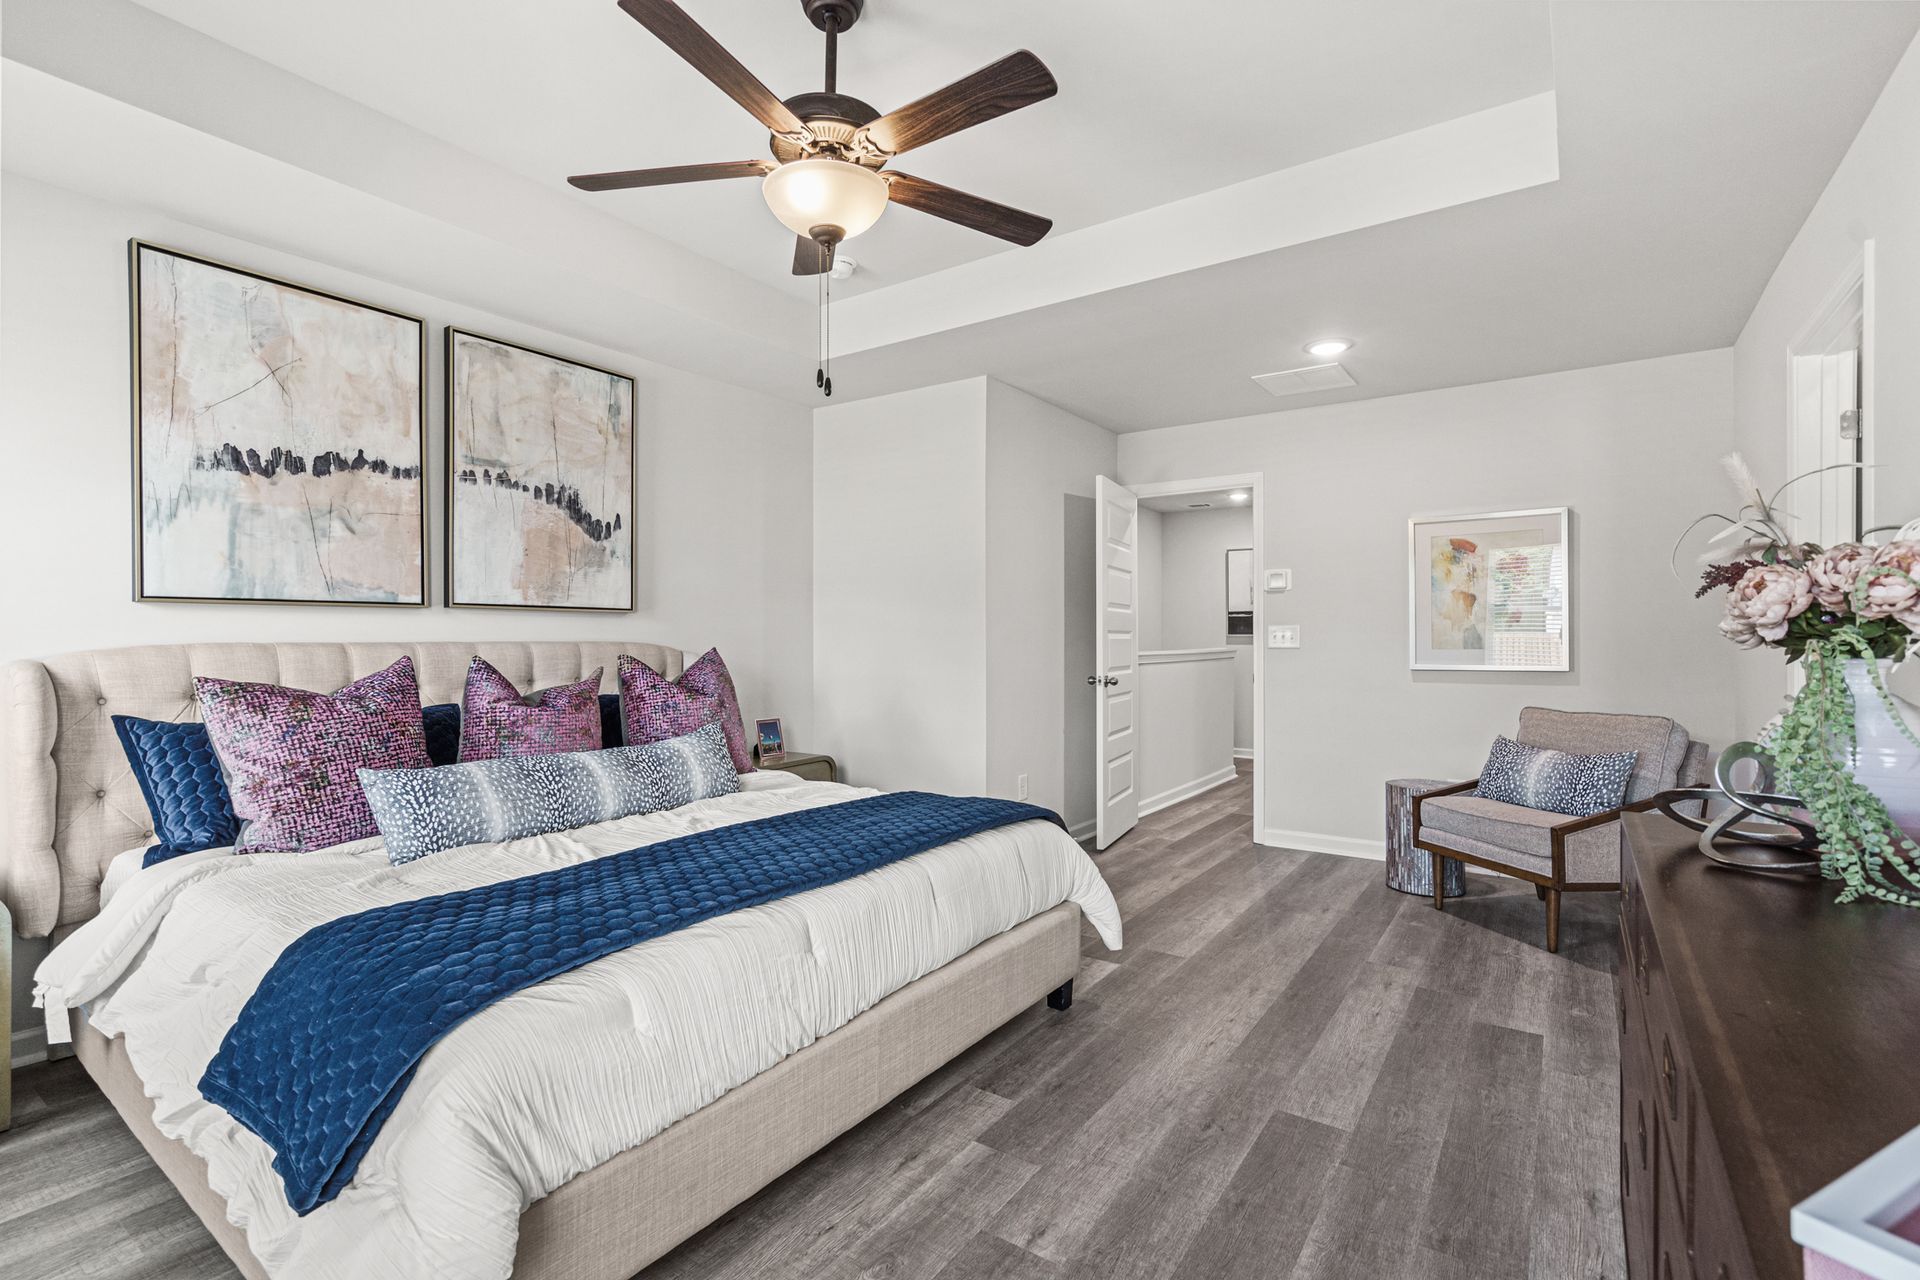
{"points": [[422, 811]]}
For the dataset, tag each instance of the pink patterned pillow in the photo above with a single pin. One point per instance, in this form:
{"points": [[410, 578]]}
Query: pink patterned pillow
{"points": [[291, 756], [654, 708], [496, 721]]}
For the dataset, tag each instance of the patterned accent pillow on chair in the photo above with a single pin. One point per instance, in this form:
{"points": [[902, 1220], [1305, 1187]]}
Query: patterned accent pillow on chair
{"points": [[496, 721], [422, 811], [1555, 781], [654, 708], [291, 756]]}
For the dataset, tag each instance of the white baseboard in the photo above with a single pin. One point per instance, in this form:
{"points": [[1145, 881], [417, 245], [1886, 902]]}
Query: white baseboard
{"points": [[1083, 830], [29, 1047], [1188, 790], [1319, 842], [1243, 753], [1348, 847]]}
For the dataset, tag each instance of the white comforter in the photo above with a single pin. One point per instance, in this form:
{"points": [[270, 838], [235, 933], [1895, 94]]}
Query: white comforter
{"points": [[556, 1079]]}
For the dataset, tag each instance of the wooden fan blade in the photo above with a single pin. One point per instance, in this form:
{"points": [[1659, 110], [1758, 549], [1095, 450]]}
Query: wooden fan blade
{"points": [[689, 39], [671, 174], [969, 211], [810, 258], [1017, 80]]}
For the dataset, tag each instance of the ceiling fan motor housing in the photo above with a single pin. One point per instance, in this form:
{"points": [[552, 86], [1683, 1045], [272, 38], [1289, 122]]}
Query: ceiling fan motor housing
{"points": [[833, 119]]}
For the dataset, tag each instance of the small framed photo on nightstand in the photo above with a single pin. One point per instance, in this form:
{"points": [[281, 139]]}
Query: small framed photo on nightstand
{"points": [[768, 740]]}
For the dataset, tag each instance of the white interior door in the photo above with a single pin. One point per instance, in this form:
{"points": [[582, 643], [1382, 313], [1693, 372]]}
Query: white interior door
{"points": [[1117, 531]]}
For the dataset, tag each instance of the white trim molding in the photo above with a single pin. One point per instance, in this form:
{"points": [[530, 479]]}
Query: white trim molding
{"points": [[1149, 657], [1320, 842], [1188, 790]]}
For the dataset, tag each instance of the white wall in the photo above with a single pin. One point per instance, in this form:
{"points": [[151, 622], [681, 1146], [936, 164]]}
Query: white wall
{"points": [[1632, 448], [900, 592], [1040, 623], [948, 628], [723, 491], [1184, 725], [1873, 195], [1193, 603], [1148, 553]]}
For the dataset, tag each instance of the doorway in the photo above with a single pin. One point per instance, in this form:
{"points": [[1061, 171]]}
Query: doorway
{"points": [[1832, 413], [1179, 638]]}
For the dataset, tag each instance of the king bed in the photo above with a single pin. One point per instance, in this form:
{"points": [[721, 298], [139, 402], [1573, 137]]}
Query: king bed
{"points": [[579, 1128]]}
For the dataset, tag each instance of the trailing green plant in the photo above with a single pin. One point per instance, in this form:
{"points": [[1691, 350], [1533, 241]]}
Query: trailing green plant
{"points": [[1823, 607], [1811, 746]]}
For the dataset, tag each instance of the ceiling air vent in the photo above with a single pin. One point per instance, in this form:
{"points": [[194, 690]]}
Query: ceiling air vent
{"points": [[1197, 506], [1299, 382]]}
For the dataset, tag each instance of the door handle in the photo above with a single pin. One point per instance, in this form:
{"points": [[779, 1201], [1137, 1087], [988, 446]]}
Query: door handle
{"points": [[1108, 680]]}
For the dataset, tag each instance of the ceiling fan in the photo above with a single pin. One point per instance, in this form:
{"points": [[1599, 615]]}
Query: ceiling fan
{"points": [[828, 179]]}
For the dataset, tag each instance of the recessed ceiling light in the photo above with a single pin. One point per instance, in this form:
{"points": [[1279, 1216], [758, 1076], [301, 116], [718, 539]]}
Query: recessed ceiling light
{"points": [[1238, 497], [1328, 347]]}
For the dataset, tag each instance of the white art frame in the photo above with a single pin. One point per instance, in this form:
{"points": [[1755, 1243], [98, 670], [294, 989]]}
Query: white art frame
{"points": [[1449, 630]]}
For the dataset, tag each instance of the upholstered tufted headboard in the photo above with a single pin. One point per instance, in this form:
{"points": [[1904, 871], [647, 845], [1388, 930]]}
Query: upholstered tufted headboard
{"points": [[71, 802]]}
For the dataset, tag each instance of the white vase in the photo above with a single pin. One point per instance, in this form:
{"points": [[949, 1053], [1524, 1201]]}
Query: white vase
{"points": [[1886, 761]]}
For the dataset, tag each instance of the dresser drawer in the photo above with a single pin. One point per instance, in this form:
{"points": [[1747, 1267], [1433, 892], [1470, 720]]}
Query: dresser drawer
{"points": [[1719, 1242], [1673, 1254], [1639, 1140], [1670, 1078]]}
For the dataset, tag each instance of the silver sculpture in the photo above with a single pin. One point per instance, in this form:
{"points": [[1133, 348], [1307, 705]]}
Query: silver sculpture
{"points": [[1728, 836]]}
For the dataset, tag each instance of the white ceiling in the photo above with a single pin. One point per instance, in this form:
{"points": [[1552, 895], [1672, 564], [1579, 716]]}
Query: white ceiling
{"points": [[1157, 102], [1470, 189], [1181, 503]]}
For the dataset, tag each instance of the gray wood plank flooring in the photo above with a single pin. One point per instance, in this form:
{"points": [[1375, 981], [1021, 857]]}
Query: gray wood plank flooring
{"points": [[1291, 1071]]}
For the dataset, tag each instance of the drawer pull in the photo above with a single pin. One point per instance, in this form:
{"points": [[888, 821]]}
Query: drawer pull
{"points": [[1667, 1074]]}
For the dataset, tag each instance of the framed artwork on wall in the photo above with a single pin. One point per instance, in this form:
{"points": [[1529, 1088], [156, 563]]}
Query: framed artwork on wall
{"points": [[540, 458], [278, 440], [1490, 592]]}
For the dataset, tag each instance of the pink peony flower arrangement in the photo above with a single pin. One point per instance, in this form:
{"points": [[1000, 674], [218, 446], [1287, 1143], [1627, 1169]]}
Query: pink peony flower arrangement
{"points": [[1874, 590]]}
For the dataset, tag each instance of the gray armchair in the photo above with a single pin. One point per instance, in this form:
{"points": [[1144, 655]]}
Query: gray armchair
{"points": [[1557, 853]]}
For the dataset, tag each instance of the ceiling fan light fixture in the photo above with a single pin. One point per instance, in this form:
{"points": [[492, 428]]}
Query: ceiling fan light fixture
{"points": [[821, 192]]}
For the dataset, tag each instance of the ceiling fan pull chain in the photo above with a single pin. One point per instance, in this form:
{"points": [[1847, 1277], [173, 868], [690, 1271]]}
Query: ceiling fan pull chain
{"points": [[819, 323], [826, 326]]}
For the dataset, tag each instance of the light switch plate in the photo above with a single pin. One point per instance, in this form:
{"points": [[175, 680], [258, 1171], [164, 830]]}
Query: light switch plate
{"points": [[1283, 637], [1279, 579]]}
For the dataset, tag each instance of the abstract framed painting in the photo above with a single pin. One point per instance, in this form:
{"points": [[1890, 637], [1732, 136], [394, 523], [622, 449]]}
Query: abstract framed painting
{"points": [[278, 440], [540, 459], [1491, 591]]}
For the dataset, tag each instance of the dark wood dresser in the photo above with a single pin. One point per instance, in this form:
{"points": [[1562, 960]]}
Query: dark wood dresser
{"points": [[1769, 1042]]}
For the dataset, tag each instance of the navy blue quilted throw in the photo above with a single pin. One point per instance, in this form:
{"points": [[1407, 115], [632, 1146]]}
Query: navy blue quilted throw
{"points": [[326, 1046]]}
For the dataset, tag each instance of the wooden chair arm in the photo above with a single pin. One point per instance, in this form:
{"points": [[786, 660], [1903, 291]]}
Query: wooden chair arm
{"points": [[1452, 789], [1562, 830]]}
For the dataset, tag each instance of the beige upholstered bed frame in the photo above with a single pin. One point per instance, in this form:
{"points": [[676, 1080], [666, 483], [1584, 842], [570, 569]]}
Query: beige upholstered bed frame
{"points": [[71, 805]]}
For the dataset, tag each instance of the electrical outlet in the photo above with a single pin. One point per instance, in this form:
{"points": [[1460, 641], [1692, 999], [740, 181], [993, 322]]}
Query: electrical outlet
{"points": [[1024, 789], [1283, 637]]}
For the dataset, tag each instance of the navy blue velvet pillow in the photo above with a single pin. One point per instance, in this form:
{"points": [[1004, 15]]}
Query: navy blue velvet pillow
{"points": [[613, 729], [442, 723], [181, 779]]}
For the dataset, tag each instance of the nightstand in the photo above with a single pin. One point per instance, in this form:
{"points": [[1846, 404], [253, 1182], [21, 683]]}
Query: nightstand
{"points": [[805, 765]]}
